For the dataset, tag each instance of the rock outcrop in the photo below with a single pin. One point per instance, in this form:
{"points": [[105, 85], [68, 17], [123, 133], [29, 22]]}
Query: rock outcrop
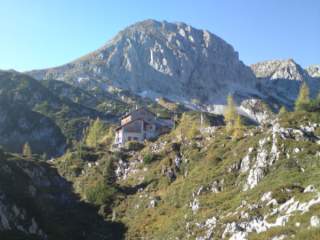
{"points": [[281, 79], [256, 110], [314, 70]]}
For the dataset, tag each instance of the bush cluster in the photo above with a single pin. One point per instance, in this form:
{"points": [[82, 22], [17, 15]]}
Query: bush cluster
{"points": [[134, 146], [148, 158], [100, 194]]}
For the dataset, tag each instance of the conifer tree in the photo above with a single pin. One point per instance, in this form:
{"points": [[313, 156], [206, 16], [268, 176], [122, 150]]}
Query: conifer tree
{"points": [[303, 97], [238, 128], [26, 151], [230, 113], [109, 137], [282, 110], [193, 131], [95, 132], [195, 101]]}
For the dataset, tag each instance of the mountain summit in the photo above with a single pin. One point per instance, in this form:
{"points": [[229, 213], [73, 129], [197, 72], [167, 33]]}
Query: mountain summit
{"points": [[159, 58], [183, 64]]}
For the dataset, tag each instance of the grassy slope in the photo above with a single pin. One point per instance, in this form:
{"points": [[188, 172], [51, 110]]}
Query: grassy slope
{"points": [[20, 93], [205, 159], [168, 220]]}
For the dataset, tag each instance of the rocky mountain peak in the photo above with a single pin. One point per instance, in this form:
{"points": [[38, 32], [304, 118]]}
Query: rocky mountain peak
{"points": [[181, 63], [281, 79], [314, 70], [279, 69], [154, 58]]}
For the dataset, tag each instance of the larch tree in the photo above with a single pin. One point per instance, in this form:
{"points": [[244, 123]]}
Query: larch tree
{"points": [[230, 113], [193, 131], [26, 151], [95, 132], [195, 101], [303, 98], [282, 110], [238, 128], [109, 137]]}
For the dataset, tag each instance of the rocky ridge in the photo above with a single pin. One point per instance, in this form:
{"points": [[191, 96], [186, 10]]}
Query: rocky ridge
{"points": [[183, 64], [189, 63], [282, 79]]}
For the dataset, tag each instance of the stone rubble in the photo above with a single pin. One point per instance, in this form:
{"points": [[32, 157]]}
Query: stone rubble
{"points": [[240, 230], [315, 221]]}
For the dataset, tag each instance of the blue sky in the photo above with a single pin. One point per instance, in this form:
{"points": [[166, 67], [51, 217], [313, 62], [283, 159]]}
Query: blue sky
{"points": [[43, 33]]}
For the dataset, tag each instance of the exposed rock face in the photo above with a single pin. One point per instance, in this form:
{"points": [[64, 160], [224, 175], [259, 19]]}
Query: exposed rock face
{"points": [[126, 168], [263, 160], [181, 63], [160, 58], [315, 221], [314, 70], [209, 226], [281, 212], [281, 79], [195, 205], [257, 172], [256, 110], [279, 69]]}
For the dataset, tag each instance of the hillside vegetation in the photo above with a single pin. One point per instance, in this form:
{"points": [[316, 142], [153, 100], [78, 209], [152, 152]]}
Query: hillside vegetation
{"points": [[50, 115], [210, 177], [37, 203], [200, 182]]}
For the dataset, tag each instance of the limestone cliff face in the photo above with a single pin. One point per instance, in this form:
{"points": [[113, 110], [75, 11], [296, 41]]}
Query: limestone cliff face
{"points": [[182, 63], [279, 69], [160, 58]]}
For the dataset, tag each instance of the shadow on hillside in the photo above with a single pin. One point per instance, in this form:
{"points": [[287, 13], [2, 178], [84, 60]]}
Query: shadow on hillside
{"points": [[58, 211]]}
